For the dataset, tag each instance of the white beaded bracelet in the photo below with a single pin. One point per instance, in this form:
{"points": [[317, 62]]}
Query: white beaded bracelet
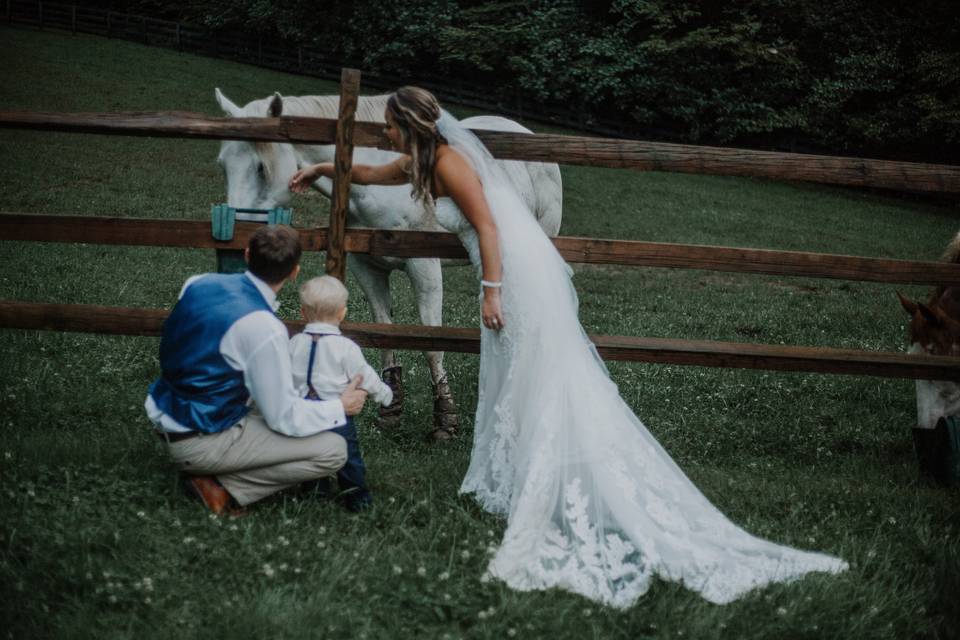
{"points": [[492, 285]]}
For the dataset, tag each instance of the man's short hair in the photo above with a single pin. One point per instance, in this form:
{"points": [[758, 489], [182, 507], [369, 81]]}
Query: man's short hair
{"points": [[322, 298], [274, 252]]}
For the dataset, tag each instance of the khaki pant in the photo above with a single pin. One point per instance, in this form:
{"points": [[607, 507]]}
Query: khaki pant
{"points": [[252, 461]]}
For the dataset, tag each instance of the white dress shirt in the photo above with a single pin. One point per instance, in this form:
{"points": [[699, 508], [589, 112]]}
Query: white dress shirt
{"points": [[337, 361], [256, 344]]}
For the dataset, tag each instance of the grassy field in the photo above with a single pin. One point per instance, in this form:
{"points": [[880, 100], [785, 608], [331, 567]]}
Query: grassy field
{"points": [[96, 539]]}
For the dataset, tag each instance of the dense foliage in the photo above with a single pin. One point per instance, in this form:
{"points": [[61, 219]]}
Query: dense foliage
{"points": [[855, 76]]}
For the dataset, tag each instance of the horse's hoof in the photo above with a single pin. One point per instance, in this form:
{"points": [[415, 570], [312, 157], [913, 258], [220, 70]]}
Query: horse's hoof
{"points": [[393, 376], [441, 435], [445, 416], [389, 417], [447, 422]]}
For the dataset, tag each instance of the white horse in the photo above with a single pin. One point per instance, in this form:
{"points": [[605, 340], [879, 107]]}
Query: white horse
{"points": [[257, 175]]}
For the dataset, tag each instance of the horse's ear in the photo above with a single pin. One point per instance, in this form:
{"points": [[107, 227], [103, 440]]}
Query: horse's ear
{"points": [[275, 110], [929, 315], [909, 305], [227, 105]]}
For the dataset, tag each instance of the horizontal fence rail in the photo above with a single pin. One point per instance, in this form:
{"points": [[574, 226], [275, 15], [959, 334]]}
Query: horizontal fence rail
{"points": [[274, 53], [182, 124], [705, 353], [600, 152], [380, 242], [681, 158]]}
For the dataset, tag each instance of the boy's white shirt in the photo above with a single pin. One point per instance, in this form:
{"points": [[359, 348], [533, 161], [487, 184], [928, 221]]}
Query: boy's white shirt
{"points": [[337, 361]]}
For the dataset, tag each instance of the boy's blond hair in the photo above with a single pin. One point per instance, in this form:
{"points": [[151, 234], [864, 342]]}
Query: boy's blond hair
{"points": [[322, 298]]}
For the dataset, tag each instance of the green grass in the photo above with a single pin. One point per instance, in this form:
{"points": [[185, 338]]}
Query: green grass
{"points": [[97, 541]]}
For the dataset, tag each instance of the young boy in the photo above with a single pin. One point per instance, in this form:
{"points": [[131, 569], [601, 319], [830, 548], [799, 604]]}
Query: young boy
{"points": [[324, 362]]}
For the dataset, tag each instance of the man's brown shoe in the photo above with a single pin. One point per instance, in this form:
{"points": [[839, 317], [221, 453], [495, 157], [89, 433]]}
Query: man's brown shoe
{"points": [[211, 493]]}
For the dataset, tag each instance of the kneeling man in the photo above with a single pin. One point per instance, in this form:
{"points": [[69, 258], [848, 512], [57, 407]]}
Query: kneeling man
{"points": [[223, 347]]}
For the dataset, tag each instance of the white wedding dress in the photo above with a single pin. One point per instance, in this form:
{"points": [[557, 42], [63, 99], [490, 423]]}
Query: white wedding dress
{"points": [[594, 504]]}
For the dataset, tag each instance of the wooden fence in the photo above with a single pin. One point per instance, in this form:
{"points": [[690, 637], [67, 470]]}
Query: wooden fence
{"points": [[273, 53], [337, 240], [598, 152]]}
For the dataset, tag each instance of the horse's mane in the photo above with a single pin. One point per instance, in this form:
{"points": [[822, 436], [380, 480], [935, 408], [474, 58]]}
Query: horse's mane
{"points": [[369, 109]]}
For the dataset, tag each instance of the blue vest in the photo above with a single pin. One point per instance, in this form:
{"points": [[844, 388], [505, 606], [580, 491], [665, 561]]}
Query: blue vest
{"points": [[197, 387]]}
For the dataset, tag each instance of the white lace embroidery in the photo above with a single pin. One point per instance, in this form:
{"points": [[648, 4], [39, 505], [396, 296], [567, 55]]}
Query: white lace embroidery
{"points": [[594, 504]]}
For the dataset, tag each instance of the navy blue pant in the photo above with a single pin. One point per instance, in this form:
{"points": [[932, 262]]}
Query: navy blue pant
{"points": [[352, 476]]}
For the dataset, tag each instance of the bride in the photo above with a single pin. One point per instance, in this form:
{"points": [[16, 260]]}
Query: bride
{"points": [[593, 503]]}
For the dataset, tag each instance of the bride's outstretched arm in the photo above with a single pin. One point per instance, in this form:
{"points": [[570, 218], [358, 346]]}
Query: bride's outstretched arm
{"points": [[390, 173], [461, 183]]}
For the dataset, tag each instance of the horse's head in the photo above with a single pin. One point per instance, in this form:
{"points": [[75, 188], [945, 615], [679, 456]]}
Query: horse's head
{"points": [[933, 327], [256, 172]]}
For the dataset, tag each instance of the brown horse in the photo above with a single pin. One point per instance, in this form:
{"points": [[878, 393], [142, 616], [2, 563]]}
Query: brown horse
{"points": [[935, 329], [935, 326]]}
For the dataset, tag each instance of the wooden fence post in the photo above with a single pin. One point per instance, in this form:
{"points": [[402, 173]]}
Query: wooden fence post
{"points": [[9, 11], [179, 45], [109, 24], [343, 168], [73, 20], [299, 58], [40, 14]]}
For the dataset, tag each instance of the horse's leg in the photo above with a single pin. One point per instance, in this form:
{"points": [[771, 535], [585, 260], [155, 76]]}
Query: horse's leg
{"points": [[427, 280], [375, 282]]}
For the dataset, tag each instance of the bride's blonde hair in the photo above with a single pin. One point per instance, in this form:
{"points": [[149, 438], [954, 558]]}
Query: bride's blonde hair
{"points": [[416, 112]]}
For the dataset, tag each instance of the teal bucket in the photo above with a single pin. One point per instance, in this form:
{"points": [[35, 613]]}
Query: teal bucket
{"points": [[223, 218]]}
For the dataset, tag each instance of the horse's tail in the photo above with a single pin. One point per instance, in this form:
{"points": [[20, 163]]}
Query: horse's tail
{"points": [[952, 253]]}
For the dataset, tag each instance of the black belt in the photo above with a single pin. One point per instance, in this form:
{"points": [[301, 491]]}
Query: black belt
{"points": [[177, 436]]}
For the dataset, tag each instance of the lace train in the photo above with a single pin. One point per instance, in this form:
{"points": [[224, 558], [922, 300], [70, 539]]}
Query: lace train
{"points": [[594, 504]]}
